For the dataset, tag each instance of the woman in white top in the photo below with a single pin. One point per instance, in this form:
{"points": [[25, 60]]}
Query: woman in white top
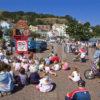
{"points": [[75, 76]]}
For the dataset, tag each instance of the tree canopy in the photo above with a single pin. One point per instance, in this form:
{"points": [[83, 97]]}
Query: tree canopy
{"points": [[79, 31]]}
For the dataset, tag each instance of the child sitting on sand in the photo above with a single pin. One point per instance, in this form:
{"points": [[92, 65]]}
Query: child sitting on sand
{"points": [[75, 76], [56, 66], [45, 84], [34, 78], [23, 77], [48, 70], [64, 65], [33, 67]]}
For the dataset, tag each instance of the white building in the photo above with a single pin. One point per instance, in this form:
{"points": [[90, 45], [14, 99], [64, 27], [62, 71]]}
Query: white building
{"points": [[33, 28], [4, 24], [50, 34], [60, 29]]}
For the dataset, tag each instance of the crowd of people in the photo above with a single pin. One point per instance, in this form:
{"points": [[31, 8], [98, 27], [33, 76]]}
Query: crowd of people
{"points": [[21, 70]]}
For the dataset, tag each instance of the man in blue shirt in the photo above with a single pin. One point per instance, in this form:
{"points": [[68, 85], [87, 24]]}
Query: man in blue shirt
{"points": [[79, 94]]}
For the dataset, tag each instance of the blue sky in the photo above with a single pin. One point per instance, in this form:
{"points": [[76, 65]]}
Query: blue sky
{"points": [[82, 10]]}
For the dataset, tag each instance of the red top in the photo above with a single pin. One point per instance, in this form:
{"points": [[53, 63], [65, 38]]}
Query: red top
{"points": [[81, 50], [55, 58], [76, 91]]}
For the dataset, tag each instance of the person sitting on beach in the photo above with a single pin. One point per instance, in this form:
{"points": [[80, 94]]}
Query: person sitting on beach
{"points": [[17, 65], [47, 70], [5, 60], [23, 77], [34, 78], [75, 76], [64, 65], [45, 84], [25, 65], [33, 67], [47, 60], [54, 58], [8, 69], [56, 66], [6, 81]]}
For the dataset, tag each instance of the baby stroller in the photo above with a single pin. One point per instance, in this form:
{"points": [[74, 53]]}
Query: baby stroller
{"points": [[94, 71]]}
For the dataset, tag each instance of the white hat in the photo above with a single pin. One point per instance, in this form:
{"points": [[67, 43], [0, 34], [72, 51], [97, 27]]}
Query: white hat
{"points": [[45, 80]]}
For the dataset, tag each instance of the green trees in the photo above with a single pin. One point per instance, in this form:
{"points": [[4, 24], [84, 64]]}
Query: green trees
{"points": [[79, 31], [96, 30], [70, 19]]}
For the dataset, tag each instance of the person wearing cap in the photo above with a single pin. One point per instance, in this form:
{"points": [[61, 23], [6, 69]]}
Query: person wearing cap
{"points": [[79, 94]]}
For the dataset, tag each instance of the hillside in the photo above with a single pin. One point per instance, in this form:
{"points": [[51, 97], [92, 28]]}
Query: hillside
{"points": [[52, 20], [35, 18], [76, 29]]}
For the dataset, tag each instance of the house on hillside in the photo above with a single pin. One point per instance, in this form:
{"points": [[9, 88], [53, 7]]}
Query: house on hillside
{"points": [[50, 34], [59, 29], [44, 27], [5, 27], [33, 28], [4, 24]]}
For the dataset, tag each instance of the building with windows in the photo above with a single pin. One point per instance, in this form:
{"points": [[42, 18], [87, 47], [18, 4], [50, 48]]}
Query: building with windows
{"points": [[44, 27], [59, 29]]}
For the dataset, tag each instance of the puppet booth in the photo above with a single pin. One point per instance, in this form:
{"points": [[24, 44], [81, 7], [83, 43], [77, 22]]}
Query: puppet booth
{"points": [[20, 34], [21, 28]]}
